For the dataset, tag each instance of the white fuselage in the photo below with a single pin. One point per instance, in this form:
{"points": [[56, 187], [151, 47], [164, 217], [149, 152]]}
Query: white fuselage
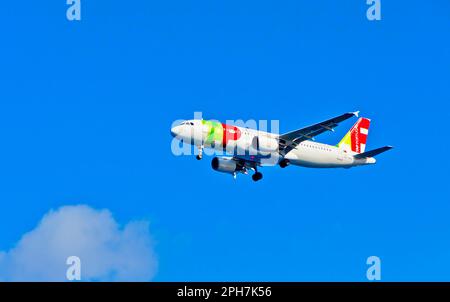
{"points": [[306, 154], [317, 155]]}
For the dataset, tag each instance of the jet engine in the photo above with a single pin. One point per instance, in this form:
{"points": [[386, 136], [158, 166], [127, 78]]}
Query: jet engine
{"points": [[265, 144], [225, 165]]}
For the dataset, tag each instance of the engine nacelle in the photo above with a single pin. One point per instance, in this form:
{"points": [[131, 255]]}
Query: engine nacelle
{"points": [[264, 144], [225, 165]]}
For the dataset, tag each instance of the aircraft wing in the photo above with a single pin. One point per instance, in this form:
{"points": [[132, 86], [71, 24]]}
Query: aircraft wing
{"points": [[290, 140]]}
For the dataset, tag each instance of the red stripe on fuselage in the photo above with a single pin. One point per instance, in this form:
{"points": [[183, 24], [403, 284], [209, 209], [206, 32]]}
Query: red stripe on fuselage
{"points": [[230, 133]]}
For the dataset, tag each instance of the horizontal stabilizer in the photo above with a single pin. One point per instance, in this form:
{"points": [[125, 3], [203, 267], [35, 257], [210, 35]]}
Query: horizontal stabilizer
{"points": [[374, 152]]}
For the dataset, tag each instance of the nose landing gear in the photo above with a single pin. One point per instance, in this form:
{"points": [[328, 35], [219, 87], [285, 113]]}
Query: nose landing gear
{"points": [[200, 153]]}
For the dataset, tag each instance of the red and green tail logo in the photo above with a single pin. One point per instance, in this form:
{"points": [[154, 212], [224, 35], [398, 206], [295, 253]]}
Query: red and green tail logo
{"points": [[356, 138]]}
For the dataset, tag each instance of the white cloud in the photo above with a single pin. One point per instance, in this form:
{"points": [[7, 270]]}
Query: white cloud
{"points": [[107, 252]]}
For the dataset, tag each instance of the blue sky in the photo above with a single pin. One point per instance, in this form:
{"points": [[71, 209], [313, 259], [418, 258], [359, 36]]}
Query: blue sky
{"points": [[86, 109]]}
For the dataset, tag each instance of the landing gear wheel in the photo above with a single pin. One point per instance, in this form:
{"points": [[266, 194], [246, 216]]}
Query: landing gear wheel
{"points": [[257, 176], [200, 153], [284, 163]]}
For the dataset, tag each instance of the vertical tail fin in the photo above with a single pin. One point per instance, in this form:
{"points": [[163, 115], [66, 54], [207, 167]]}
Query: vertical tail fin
{"points": [[356, 137]]}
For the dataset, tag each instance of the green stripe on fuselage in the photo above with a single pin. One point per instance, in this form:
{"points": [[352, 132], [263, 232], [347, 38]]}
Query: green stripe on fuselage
{"points": [[214, 132]]}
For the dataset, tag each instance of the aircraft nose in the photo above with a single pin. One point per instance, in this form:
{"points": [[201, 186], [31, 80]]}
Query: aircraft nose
{"points": [[175, 131]]}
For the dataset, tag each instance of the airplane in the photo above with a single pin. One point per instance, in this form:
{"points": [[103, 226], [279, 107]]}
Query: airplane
{"points": [[250, 149]]}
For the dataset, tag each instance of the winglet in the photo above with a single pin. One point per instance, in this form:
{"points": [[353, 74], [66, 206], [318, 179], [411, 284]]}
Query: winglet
{"points": [[356, 113]]}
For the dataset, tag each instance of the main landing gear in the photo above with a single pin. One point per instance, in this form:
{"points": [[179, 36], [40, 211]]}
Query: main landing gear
{"points": [[284, 163], [257, 176]]}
